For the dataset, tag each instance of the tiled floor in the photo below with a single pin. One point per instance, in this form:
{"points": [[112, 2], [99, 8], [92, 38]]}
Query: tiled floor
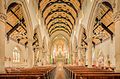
{"points": [[60, 74]]}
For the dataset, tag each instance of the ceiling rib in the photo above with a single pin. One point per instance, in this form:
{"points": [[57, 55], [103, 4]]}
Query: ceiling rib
{"points": [[60, 23], [59, 2], [61, 17], [59, 30], [60, 10], [56, 27]]}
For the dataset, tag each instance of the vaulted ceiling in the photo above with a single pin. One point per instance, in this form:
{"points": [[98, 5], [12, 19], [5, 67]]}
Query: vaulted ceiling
{"points": [[59, 15]]}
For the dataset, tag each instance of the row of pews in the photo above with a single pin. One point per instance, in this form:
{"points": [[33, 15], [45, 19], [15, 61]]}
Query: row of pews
{"points": [[80, 72], [43, 72]]}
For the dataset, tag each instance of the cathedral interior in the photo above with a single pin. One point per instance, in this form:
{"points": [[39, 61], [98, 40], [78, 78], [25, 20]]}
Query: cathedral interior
{"points": [[59, 39]]}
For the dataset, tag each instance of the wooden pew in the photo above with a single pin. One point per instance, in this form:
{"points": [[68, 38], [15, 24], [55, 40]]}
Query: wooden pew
{"points": [[96, 75], [77, 72], [22, 76], [28, 73]]}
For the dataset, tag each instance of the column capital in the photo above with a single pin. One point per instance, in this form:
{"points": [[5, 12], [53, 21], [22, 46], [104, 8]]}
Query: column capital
{"points": [[3, 17], [89, 39], [116, 16], [79, 47]]}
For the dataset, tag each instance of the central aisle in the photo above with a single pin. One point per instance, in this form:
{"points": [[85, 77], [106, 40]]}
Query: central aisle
{"points": [[60, 74]]}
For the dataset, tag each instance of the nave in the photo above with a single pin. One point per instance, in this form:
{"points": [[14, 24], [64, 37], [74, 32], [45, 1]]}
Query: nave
{"points": [[59, 39], [60, 71]]}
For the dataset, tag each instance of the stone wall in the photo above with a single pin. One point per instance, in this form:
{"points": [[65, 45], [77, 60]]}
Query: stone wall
{"points": [[9, 46]]}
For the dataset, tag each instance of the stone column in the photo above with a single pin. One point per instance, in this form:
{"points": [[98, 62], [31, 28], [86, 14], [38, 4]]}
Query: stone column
{"points": [[35, 58], [30, 53], [117, 40], [70, 53], [79, 56], [73, 58], [89, 52], [30, 47], [2, 36], [44, 57], [116, 18], [40, 54]]}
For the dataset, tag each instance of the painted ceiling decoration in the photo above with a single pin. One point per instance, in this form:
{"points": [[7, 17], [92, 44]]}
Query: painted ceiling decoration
{"points": [[59, 15]]}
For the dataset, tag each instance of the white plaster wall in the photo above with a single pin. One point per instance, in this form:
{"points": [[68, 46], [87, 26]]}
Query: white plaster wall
{"points": [[9, 45]]}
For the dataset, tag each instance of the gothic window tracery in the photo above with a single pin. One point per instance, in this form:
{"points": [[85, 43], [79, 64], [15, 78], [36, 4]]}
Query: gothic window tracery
{"points": [[16, 55]]}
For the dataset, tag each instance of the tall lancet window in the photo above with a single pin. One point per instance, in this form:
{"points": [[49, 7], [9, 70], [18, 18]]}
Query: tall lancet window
{"points": [[16, 55]]}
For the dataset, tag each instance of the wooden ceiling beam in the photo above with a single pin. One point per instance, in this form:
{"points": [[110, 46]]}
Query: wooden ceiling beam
{"points": [[60, 17], [21, 20], [107, 29], [59, 27], [60, 23], [60, 1], [39, 4], [104, 14], [60, 30], [98, 20], [13, 29], [12, 26], [60, 10], [108, 25]]}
